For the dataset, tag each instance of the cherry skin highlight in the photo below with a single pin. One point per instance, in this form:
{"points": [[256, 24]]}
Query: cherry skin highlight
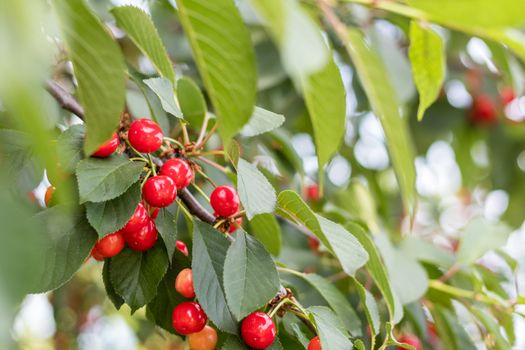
{"points": [[179, 171], [224, 201], [142, 239], [315, 344], [159, 191], [181, 246], [258, 330], [145, 135], [188, 317], [108, 148], [138, 219]]}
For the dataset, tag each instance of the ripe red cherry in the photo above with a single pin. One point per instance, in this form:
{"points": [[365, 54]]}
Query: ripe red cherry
{"points": [[138, 219], [483, 110], [108, 148], [145, 135], [507, 95], [143, 238], [179, 170], [315, 344], [184, 283], [110, 245], [188, 317], [258, 330], [411, 340], [96, 255], [159, 191], [312, 192], [314, 243], [203, 340], [225, 201], [181, 246], [233, 228]]}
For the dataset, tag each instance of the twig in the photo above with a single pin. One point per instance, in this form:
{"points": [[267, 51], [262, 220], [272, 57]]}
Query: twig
{"points": [[195, 207], [203, 130], [207, 137], [64, 98]]}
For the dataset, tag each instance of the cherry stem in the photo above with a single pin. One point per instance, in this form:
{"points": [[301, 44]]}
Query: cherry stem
{"points": [[207, 137], [184, 209], [213, 164], [206, 177], [152, 165], [185, 133], [276, 308], [202, 133], [201, 191], [181, 146]]}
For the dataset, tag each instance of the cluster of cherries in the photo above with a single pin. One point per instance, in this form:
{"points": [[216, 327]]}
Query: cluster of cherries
{"points": [[485, 111]]}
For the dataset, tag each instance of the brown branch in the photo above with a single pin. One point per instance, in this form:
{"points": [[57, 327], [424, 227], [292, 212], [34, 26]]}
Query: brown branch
{"points": [[64, 98], [195, 207]]}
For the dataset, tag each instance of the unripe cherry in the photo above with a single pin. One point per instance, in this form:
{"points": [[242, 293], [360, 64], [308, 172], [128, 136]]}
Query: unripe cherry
{"points": [[258, 330], [188, 317], [184, 283], [110, 245], [145, 135], [143, 238], [179, 171], [224, 201], [159, 191], [108, 148], [203, 340], [315, 344], [138, 219]]}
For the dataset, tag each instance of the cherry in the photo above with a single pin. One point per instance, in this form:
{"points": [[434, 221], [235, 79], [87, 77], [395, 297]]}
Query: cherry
{"points": [[224, 200], [108, 148], [315, 344], [203, 340], [483, 110], [507, 95], [96, 254], [143, 238], [145, 135], [312, 193], [159, 191], [138, 219], [258, 330], [154, 212], [184, 283], [49, 195], [314, 243], [233, 227], [110, 245], [410, 340], [181, 246], [179, 171], [188, 317]]}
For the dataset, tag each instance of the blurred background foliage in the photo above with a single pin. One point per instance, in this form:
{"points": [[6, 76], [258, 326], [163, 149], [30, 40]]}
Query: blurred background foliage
{"points": [[470, 174]]}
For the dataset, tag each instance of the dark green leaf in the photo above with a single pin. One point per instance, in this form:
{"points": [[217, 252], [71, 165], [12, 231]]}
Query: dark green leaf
{"points": [[110, 290], [223, 52], [100, 180], [141, 30], [255, 191], [267, 230], [99, 69], [111, 216], [262, 121], [136, 276], [167, 226], [163, 88], [250, 276], [191, 101], [209, 255], [331, 332]]}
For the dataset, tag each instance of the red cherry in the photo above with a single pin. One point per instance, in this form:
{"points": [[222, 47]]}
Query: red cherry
{"points": [[315, 344], [233, 228], [110, 245], [258, 330], [314, 243], [203, 340], [142, 239], [188, 317], [49, 194], [410, 340], [96, 254], [184, 283], [181, 246], [224, 200], [138, 219], [145, 135], [159, 191], [179, 170], [312, 192], [507, 95], [107, 148], [483, 110]]}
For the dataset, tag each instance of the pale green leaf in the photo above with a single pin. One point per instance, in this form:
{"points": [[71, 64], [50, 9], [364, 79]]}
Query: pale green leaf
{"points": [[480, 236], [163, 88], [427, 55], [370, 307], [255, 191], [192, 102], [262, 121], [331, 332], [267, 230]]}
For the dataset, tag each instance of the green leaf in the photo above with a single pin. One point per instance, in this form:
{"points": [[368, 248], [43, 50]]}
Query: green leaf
{"points": [[331, 332], [233, 152], [360, 203], [255, 191], [421, 250], [492, 326], [141, 30], [382, 97], [192, 102], [324, 95], [163, 88], [209, 255], [167, 226], [481, 13], [224, 55], [267, 230], [337, 301], [100, 180], [99, 70], [262, 121], [111, 216], [377, 270], [68, 240], [427, 56], [136, 276], [338, 241], [480, 236], [69, 147], [451, 333], [234, 343], [110, 290], [250, 276], [370, 307]]}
